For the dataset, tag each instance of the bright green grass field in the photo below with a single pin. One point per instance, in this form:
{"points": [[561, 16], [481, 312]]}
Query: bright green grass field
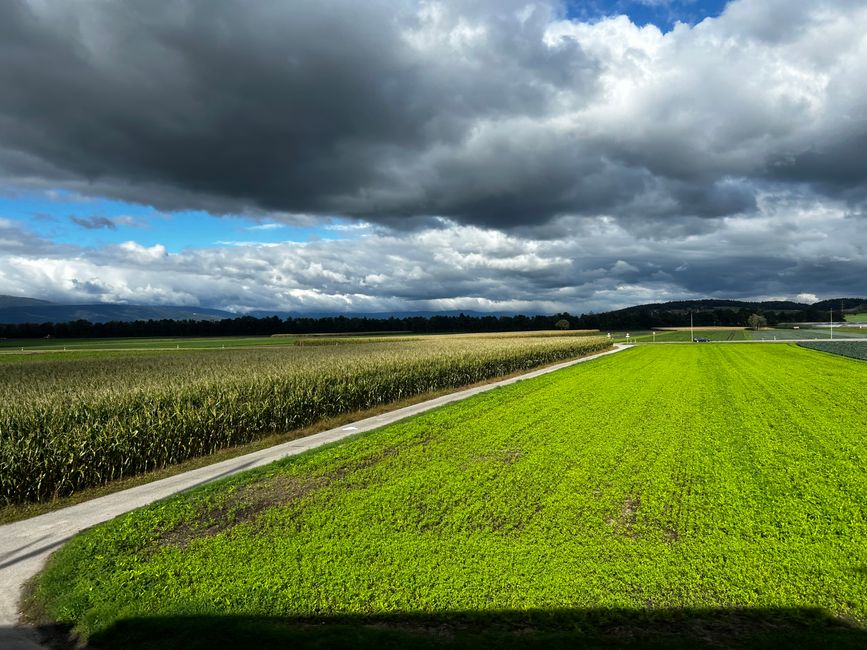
{"points": [[856, 318], [694, 494]]}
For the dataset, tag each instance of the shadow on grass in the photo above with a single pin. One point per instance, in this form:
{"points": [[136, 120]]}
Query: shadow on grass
{"points": [[653, 628]]}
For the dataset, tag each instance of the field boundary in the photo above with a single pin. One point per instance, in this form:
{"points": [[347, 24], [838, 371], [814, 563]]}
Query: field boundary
{"points": [[25, 545]]}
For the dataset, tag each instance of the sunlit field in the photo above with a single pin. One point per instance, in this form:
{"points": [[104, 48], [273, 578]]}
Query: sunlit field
{"points": [[75, 420], [637, 498]]}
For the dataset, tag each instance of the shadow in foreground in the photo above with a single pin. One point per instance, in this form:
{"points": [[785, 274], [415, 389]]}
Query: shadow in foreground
{"points": [[565, 628]]}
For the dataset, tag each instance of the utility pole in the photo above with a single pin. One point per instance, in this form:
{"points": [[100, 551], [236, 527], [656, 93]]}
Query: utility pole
{"points": [[831, 323], [691, 333]]}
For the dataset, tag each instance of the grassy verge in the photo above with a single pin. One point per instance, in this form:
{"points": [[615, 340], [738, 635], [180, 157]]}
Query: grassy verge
{"points": [[670, 494]]}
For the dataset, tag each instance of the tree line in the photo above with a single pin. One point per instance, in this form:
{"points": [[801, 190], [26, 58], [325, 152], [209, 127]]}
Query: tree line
{"points": [[633, 318], [266, 326]]}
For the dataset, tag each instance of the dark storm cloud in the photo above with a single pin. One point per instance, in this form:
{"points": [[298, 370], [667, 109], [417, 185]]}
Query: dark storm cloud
{"points": [[303, 107], [492, 113], [836, 166]]}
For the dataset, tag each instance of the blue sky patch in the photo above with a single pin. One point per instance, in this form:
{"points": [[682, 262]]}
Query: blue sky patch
{"points": [[91, 222], [662, 13]]}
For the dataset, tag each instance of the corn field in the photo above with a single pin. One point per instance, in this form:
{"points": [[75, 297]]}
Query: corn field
{"points": [[66, 425]]}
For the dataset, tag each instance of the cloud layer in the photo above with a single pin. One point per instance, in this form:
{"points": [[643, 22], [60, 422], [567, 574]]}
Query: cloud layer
{"points": [[510, 157], [496, 113], [593, 264]]}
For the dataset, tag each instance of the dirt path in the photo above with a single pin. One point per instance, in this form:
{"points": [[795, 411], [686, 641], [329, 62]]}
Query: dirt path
{"points": [[25, 545]]}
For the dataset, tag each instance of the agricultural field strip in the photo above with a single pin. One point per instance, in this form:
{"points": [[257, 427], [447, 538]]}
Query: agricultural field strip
{"points": [[681, 477], [31, 346], [851, 349], [739, 335], [25, 545], [764, 338], [66, 426]]}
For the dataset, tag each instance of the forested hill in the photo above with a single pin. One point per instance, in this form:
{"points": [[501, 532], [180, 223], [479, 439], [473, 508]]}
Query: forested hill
{"points": [[720, 312], [205, 322], [14, 309]]}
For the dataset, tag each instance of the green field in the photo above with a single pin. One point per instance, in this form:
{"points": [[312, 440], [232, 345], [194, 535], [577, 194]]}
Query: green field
{"points": [[857, 318], [15, 349], [861, 331], [664, 495], [635, 336], [69, 423], [786, 334], [729, 335]]}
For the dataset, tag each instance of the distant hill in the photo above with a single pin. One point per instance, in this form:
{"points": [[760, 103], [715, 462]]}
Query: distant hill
{"points": [[376, 315], [850, 305], [14, 310], [18, 301], [716, 312], [17, 309]]}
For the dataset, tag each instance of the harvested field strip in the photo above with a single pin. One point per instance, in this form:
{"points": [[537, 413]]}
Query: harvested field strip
{"points": [[860, 331], [726, 334], [67, 425], [667, 478], [789, 334]]}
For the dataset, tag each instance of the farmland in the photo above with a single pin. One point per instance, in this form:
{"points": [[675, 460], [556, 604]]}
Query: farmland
{"points": [[851, 349], [222, 342], [860, 330], [715, 491], [77, 421], [731, 334], [786, 334], [857, 318], [143, 343]]}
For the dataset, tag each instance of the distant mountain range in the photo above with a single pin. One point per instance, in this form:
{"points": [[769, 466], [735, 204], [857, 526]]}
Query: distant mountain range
{"points": [[14, 309], [375, 315], [17, 309]]}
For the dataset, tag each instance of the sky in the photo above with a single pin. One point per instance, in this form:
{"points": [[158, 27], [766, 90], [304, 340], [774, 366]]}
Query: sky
{"points": [[406, 155]]}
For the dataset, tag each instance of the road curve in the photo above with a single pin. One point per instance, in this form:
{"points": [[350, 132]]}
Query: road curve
{"points": [[25, 545]]}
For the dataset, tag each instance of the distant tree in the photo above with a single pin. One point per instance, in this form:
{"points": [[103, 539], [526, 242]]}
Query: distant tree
{"points": [[562, 324], [757, 321]]}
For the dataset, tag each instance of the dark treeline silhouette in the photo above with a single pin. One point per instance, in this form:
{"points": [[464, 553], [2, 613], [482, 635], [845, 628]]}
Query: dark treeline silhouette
{"points": [[724, 313], [251, 326]]}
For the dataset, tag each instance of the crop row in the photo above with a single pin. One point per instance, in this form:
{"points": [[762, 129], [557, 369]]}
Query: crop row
{"points": [[852, 349], [68, 425]]}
